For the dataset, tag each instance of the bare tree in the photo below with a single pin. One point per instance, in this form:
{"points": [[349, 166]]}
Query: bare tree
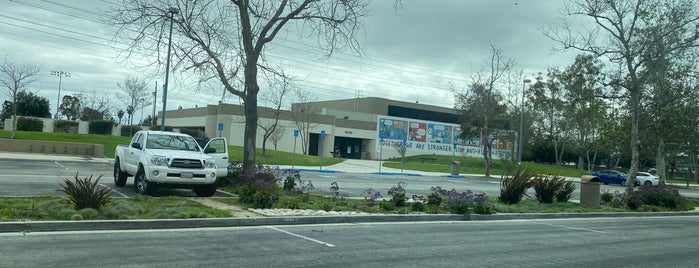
{"points": [[305, 116], [15, 78], [99, 101], [216, 39], [635, 34], [136, 95], [277, 136], [482, 106], [278, 87]]}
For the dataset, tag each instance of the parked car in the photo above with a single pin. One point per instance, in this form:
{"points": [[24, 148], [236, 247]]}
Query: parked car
{"points": [[645, 178], [611, 176]]}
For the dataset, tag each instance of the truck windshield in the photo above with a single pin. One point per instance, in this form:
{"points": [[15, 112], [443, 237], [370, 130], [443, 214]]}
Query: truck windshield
{"points": [[169, 142]]}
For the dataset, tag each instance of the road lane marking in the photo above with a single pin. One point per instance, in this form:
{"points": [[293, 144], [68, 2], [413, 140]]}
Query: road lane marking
{"points": [[302, 237], [575, 228]]}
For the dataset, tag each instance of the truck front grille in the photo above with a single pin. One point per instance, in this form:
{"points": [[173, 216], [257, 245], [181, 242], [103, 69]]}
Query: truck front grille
{"points": [[187, 163]]}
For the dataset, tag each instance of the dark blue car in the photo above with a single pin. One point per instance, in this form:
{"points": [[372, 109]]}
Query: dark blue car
{"points": [[611, 176]]}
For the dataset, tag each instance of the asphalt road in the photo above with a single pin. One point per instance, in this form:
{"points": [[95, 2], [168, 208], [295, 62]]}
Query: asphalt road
{"points": [[598, 242]]}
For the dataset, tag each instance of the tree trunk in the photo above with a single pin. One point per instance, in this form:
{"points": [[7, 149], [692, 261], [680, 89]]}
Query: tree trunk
{"points": [[14, 112], [660, 161], [635, 140], [250, 106]]}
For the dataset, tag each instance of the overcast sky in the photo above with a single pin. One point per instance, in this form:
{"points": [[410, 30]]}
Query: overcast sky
{"points": [[411, 54]]}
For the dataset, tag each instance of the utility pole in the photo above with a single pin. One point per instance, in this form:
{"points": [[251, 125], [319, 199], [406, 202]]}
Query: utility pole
{"points": [[155, 103], [60, 75], [172, 12]]}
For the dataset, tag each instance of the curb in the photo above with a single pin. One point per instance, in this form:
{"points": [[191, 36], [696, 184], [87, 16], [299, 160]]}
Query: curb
{"points": [[102, 225], [311, 170], [55, 226], [396, 173], [545, 216]]}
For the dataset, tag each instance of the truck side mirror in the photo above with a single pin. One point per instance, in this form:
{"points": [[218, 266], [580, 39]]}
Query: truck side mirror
{"points": [[136, 145], [209, 150]]}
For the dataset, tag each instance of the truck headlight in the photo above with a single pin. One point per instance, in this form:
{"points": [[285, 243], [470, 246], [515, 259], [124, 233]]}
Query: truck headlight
{"points": [[210, 163], [158, 160]]}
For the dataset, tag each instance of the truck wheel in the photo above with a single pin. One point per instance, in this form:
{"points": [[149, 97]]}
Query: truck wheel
{"points": [[119, 175], [205, 190], [142, 185]]}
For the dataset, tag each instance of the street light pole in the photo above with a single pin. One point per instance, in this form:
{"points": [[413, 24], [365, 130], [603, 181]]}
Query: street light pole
{"points": [[521, 125], [172, 12], [60, 75]]}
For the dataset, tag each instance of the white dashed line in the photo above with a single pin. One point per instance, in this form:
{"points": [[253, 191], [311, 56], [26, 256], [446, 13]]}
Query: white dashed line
{"points": [[302, 237]]}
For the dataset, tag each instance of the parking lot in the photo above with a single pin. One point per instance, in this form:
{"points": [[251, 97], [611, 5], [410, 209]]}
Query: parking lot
{"points": [[39, 177]]}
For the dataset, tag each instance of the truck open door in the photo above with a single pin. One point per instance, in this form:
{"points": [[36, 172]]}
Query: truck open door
{"points": [[220, 155]]}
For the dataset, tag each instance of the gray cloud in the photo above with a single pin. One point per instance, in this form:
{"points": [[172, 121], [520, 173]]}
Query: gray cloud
{"points": [[412, 54]]}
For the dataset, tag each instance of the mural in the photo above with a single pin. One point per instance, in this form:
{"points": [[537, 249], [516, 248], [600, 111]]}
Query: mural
{"points": [[439, 133], [392, 129], [426, 137], [417, 131]]}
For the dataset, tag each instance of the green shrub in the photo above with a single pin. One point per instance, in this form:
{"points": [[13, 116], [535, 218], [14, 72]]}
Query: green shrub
{"points": [[386, 205], [546, 188], [101, 127], [660, 196], [397, 193], [432, 209], [289, 183], [49, 208], [89, 213], [566, 191], [67, 214], [263, 199], [513, 188], [606, 197], [483, 209], [128, 131], [246, 194], [327, 206], [85, 193], [434, 199], [30, 124], [459, 209], [171, 213], [292, 203], [122, 210], [418, 206], [65, 126]]}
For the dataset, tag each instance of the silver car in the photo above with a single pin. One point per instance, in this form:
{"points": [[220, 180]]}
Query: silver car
{"points": [[645, 178]]}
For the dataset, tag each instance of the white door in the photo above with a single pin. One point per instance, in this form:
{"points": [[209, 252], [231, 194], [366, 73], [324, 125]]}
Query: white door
{"points": [[220, 155]]}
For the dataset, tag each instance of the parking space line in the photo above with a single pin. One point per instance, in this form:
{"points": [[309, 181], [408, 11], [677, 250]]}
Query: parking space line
{"points": [[224, 192], [302, 237], [59, 164], [110, 188]]}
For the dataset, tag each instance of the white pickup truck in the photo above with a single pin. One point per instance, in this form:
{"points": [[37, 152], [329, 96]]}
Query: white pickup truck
{"points": [[171, 160]]}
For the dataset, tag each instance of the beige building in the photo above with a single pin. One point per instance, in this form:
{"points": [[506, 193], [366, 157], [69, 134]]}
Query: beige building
{"points": [[351, 126], [361, 128]]}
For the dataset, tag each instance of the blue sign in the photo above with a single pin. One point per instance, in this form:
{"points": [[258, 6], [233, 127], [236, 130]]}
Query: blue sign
{"points": [[322, 134], [296, 132], [220, 126]]}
